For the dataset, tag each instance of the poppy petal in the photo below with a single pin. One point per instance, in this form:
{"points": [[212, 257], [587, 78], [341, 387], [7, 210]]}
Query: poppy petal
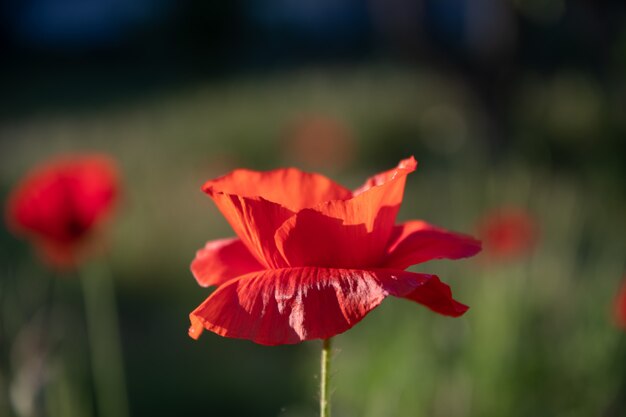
{"points": [[291, 305], [255, 221], [415, 242], [349, 233], [381, 178], [222, 260], [430, 292], [288, 187], [257, 203]]}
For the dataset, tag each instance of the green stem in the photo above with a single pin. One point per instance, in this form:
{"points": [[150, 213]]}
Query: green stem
{"points": [[105, 344], [325, 379]]}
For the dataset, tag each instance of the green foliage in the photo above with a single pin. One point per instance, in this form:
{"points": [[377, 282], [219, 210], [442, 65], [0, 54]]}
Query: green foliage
{"points": [[537, 341]]}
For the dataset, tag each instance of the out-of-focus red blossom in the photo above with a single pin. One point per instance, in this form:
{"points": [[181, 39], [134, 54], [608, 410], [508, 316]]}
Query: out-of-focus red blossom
{"points": [[312, 258], [60, 202], [508, 233], [620, 306], [319, 141]]}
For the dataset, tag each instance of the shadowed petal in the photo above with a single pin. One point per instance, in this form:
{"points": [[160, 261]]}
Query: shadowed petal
{"points": [[255, 221], [431, 293], [222, 260], [349, 233], [415, 242], [291, 305]]}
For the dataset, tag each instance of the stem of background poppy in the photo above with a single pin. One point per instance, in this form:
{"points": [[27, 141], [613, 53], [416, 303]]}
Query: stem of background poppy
{"points": [[104, 340], [325, 379]]}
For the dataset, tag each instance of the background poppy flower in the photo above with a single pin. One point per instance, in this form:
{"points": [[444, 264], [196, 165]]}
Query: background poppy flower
{"points": [[312, 258], [508, 232], [60, 202], [319, 140], [619, 312]]}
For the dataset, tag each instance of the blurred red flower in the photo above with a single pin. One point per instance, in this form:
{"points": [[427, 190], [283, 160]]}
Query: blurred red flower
{"points": [[507, 233], [620, 306], [312, 258], [59, 204], [319, 140]]}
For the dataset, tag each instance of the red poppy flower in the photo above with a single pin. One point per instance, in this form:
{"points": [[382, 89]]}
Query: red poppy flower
{"points": [[312, 258], [508, 233], [620, 307], [59, 203]]}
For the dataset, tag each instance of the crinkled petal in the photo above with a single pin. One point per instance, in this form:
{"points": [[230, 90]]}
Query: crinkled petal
{"points": [[350, 233], [222, 260], [291, 305], [415, 242]]}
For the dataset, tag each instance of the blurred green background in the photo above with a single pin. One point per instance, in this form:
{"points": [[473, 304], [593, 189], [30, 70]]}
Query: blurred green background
{"points": [[512, 104]]}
